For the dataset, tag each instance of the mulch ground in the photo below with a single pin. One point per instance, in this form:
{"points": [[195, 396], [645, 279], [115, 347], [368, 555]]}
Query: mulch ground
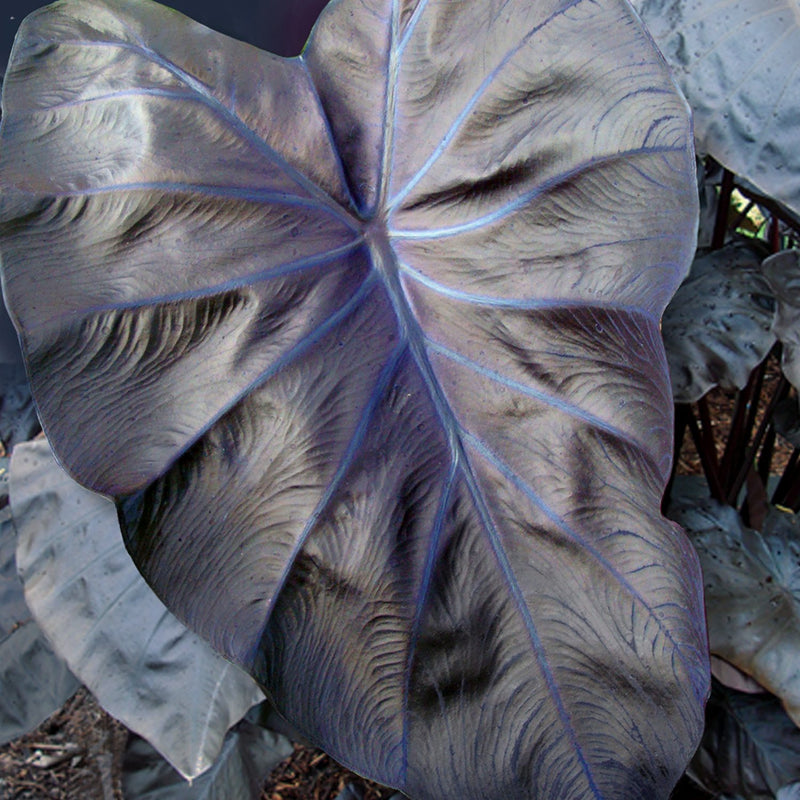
{"points": [[77, 754], [720, 405], [311, 775]]}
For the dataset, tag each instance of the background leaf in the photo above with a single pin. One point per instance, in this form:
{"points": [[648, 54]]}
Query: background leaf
{"points": [[10, 354], [366, 345], [738, 62], [783, 273], [709, 175], [718, 326], [733, 677], [752, 589], [787, 419], [248, 755], [18, 421], [750, 748], [35, 681], [141, 664], [353, 792]]}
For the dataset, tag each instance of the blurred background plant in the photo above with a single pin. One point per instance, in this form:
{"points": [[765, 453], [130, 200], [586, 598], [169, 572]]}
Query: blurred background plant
{"points": [[731, 335]]}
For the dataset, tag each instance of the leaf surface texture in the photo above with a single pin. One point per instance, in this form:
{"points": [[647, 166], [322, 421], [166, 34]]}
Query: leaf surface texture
{"points": [[366, 345]]}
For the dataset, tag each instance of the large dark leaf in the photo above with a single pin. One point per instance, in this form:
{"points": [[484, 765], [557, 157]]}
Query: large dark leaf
{"points": [[366, 344]]}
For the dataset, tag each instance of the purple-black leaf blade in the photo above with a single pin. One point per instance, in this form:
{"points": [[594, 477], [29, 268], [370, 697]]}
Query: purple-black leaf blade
{"points": [[405, 441], [111, 175]]}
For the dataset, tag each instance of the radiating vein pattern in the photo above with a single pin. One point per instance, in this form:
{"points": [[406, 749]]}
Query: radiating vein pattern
{"points": [[469, 105], [366, 345]]}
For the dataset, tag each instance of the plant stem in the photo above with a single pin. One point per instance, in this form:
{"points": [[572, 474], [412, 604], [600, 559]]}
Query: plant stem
{"points": [[721, 221], [704, 448], [749, 455], [785, 483]]}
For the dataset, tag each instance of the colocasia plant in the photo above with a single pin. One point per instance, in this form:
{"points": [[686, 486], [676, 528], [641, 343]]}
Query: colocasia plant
{"points": [[365, 346]]}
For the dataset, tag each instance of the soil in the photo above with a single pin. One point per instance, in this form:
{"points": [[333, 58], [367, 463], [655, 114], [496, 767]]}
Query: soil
{"points": [[720, 405], [77, 754], [310, 774]]}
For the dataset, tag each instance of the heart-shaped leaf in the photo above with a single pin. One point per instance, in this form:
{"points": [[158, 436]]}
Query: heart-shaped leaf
{"points": [[718, 327], [738, 62], [752, 588], [366, 344], [783, 273], [143, 666]]}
